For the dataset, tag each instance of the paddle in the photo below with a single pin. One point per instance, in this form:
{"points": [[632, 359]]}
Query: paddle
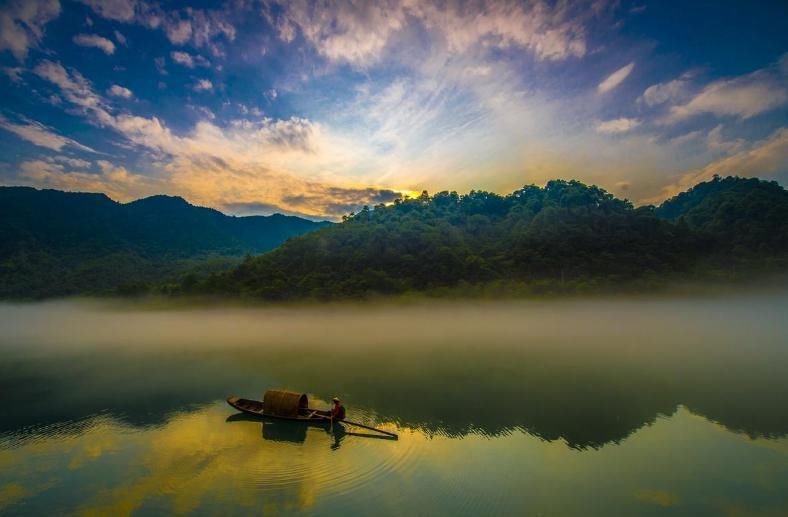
{"points": [[393, 435], [348, 422]]}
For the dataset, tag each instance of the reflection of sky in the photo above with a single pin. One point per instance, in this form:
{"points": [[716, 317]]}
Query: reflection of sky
{"points": [[196, 461], [319, 108]]}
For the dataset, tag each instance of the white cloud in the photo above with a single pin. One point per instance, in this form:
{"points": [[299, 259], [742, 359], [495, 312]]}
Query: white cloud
{"points": [[200, 28], [358, 32], [113, 180], [118, 10], [40, 135], [669, 91], [14, 73], [119, 91], [188, 60], [203, 85], [743, 97], [615, 79], [74, 87], [767, 160], [93, 40], [119, 37], [73, 162], [183, 58], [616, 126], [22, 24]]}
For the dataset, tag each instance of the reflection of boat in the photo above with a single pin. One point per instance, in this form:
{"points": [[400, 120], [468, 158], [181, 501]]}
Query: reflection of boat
{"points": [[287, 405]]}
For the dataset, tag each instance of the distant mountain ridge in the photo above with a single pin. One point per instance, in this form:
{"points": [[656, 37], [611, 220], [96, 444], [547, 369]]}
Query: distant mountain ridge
{"points": [[56, 243]]}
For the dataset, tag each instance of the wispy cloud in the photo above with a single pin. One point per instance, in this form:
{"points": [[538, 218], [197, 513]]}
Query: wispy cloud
{"points": [[22, 24], [667, 92], [201, 28], [743, 97], [93, 40], [119, 91], [40, 135], [616, 78], [357, 33], [616, 126], [766, 159]]}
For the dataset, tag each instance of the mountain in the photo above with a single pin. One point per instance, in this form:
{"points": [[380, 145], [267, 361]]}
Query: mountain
{"points": [[565, 237], [734, 215], [55, 243]]}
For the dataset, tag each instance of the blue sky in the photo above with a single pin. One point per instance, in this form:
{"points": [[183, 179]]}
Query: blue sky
{"points": [[317, 108]]}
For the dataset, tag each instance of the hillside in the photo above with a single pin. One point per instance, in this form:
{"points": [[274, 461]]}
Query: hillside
{"points": [[734, 215], [55, 243], [566, 237]]}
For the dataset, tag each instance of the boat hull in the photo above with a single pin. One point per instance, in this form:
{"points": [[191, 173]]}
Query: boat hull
{"points": [[255, 408]]}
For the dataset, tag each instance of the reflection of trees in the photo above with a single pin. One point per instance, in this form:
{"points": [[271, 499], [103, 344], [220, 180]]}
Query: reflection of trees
{"points": [[587, 396]]}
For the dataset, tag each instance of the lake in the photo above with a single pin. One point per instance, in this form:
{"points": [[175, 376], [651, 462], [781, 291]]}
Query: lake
{"points": [[575, 407]]}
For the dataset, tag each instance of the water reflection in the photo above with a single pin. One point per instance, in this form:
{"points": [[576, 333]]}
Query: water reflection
{"points": [[130, 416]]}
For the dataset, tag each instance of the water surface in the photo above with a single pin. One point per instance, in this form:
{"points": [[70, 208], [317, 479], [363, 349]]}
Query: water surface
{"points": [[565, 407]]}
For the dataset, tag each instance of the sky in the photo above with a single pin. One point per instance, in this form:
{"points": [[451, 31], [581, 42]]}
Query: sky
{"points": [[319, 108]]}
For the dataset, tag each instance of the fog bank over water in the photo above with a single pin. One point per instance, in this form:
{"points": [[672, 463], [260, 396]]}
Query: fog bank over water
{"points": [[589, 371], [636, 321]]}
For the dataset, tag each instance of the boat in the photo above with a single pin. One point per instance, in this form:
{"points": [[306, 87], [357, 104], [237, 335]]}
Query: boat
{"points": [[281, 404], [293, 406]]}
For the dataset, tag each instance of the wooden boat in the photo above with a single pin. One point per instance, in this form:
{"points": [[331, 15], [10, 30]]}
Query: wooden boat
{"points": [[281, 404], [289, 405]]}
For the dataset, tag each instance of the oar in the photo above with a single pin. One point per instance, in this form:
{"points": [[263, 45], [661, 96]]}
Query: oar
{"points": [[389, 433]]}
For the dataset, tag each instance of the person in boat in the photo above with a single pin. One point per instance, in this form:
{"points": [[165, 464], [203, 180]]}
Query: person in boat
{"points": [[338, 410]]}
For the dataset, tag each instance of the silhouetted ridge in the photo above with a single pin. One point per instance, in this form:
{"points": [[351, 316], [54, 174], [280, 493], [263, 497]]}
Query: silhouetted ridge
{"points": [[58, 243]]}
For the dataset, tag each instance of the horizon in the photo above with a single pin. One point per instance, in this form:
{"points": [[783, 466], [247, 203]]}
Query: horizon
{"points": [[317, 110], [339, 218]]}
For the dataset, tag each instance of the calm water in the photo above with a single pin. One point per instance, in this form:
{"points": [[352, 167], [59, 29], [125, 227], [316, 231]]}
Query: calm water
{"points": [[557, 408]]}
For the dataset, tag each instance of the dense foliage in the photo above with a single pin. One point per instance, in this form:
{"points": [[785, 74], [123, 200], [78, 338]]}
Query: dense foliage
{"points": [[566, 236], [56, 243]]}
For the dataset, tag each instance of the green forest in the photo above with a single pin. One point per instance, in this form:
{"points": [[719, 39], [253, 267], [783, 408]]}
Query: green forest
{"points": [[565, 237], [55, 243]]}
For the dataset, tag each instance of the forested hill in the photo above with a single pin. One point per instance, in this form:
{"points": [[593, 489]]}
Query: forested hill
{"points": [[566, 236], [56, 243]]}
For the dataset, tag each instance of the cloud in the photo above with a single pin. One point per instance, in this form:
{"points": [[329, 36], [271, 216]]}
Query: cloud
{"points": [[73, 86], [743, 97], [118, 10], [203, 85], [616, 126], [40, 135], [14, 73], [287, 163], [22, 24], [119, 91], [200, 28], [115, 181], [358, 32], [616, 78], [767, 159], [188, 60], [93, 40], [183, 58], [119, 37], [73, 162], [670, 91]]}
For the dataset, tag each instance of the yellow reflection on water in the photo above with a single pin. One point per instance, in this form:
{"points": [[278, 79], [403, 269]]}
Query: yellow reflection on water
{"points": [[200, 461]]}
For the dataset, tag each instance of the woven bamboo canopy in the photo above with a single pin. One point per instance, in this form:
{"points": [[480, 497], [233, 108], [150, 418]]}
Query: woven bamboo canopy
{"points": [[284, 403]]}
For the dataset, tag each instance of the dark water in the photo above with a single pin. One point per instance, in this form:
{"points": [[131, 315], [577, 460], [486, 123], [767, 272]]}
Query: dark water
{"points": [[558, 408]]}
